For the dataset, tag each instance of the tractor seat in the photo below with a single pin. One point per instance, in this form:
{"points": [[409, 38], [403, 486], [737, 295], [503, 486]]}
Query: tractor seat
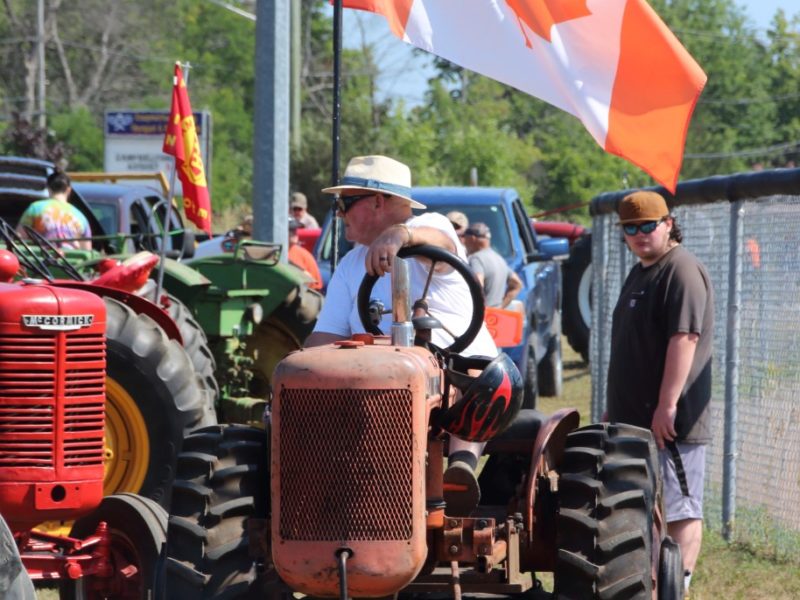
{"points": [[520, 435]]}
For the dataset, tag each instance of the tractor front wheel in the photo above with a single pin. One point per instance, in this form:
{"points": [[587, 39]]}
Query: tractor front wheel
{"points": [[138, 528], [608, 493]]}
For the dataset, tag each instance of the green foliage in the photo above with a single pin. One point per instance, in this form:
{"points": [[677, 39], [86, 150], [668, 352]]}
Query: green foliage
{"points": [[83, 138], [120, 55]]}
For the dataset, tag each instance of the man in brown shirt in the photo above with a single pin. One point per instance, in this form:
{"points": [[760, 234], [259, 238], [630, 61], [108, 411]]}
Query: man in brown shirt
{"points": [[659, 374]]}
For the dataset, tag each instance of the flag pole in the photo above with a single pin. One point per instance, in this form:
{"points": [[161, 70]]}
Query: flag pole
{"points": [[170, 199], [337, 112]]}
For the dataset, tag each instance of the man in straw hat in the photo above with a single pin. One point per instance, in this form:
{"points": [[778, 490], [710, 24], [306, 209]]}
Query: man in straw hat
{"points": [[375, 204], [659, 375]]}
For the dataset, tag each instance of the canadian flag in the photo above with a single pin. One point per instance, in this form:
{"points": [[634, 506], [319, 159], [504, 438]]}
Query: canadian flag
{"points": [[611, 63]]}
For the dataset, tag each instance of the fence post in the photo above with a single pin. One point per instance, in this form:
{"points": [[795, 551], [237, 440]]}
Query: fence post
{"points": [[736, 234]]}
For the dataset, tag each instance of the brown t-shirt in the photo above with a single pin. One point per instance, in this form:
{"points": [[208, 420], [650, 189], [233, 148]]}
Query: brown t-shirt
{"points": [[674, 295]]}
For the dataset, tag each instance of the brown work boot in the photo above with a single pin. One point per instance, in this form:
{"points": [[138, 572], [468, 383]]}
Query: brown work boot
{"points": [[461, 490]]}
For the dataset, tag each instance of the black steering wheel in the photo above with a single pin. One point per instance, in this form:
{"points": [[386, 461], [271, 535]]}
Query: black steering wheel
{"points": [[435, 255]]}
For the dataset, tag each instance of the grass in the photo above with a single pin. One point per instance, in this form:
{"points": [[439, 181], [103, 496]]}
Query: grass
{"points": [[724, 570]]}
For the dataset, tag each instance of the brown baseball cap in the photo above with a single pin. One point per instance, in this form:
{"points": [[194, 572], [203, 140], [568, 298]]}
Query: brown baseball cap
{"points": [[298, 199], [642, 206], [458, 219]]}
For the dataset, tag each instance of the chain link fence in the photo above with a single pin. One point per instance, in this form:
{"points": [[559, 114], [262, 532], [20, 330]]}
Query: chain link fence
{"points": [[746, 230]]}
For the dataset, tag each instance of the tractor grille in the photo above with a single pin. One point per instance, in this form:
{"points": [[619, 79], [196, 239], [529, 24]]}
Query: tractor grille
{"points": [[26, 435], [29, 368], [83, 434], [37, 378], [346, 464]]}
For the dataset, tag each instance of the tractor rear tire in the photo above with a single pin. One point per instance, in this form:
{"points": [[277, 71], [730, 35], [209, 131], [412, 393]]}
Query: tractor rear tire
{"points": [[152, 392], [222, 481], [608, 494], [576, 303], [196, 345], [138, 528]]}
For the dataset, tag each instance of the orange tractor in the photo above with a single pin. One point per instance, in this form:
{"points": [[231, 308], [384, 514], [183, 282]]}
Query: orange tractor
{"points": [[355, 446]]}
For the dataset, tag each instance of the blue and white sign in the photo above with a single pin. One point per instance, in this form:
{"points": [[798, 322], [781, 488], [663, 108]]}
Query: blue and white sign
{"points": [[133, 141]]}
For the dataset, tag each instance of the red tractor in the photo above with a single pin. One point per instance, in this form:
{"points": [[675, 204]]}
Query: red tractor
{"points": [[53, 348], [355, 508]]}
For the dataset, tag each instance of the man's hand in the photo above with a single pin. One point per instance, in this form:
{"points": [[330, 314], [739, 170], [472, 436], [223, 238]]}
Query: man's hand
{"points": [[680, 353], [381, 252], [663, 425]]}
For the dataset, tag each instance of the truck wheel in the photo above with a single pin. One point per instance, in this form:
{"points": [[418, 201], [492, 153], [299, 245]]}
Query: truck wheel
{"points": [[195, 343], [531, 389], [608, 492], [152, 399], [551, 376], [138, 528], [577, 299], [222, 480]]}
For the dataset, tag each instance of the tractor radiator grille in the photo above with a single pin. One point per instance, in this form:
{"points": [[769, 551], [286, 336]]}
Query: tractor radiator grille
{"points": [[26, 434], [83, 434], [29, 368], [346, 464], [37, 378]]}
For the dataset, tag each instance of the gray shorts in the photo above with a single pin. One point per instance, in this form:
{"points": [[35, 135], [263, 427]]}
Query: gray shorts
{"points": [[680, 506]]}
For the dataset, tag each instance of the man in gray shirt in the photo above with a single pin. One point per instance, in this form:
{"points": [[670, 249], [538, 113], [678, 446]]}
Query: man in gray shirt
{"points": [[500, 284]]}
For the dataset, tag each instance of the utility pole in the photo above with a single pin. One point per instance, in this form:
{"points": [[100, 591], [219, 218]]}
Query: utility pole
{"points": [[297, 65], [40, 52], [271, 135]]}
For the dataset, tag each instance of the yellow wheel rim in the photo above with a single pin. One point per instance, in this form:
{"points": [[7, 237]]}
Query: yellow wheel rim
{"points": [[127, 445]]}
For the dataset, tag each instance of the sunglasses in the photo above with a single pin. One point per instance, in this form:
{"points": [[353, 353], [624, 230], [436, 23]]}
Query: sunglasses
{"points": [[345, 203], [647, 227]]}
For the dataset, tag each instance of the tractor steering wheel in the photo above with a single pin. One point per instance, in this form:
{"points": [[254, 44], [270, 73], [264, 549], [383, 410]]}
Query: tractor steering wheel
{"points": [[435, 255]]}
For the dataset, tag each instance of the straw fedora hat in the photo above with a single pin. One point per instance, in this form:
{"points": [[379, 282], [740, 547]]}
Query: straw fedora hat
{"points": [[377, 174]]}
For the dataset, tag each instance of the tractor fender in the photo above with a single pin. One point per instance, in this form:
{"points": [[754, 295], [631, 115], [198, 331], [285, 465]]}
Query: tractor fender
{"points": [[137, 304], [548, 451]]}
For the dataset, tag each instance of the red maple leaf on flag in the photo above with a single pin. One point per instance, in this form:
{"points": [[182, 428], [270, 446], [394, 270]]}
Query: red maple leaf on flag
{"points": [[541, 15]]}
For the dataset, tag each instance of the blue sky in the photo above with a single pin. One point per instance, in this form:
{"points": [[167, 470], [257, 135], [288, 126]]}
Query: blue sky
{"points": [[404, 74]]}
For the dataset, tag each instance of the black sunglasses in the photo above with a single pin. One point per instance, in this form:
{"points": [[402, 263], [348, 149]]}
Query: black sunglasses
{"points": [[646, 227], [345, 203]]}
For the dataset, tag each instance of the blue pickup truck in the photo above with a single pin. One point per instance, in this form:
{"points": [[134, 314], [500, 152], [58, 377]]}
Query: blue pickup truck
{"points": [[538, 356]]}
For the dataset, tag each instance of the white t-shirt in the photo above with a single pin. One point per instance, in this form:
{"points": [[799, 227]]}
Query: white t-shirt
{"points": [[448, 297]]}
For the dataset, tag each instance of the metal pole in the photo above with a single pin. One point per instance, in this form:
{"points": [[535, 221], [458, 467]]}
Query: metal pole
{"points": [[335, 134], [40, 52], [732, 369], [185, 68], [297, 64], [271, 139]]}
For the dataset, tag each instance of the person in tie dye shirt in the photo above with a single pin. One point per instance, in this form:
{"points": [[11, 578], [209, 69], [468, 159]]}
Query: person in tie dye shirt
{"points": [[55, 218]]}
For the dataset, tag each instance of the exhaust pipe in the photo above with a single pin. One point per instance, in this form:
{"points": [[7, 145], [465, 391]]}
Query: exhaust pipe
{"points": [[402, 329]]}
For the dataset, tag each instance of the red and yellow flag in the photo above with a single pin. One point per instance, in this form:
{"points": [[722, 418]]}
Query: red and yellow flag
{"points": [[181, 142]]}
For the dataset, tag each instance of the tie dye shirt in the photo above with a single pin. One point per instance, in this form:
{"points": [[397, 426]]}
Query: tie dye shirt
{"points": [[56, 220]]}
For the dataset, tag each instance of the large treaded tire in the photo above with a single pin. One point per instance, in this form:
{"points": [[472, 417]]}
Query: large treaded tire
{"points": [[157, 374], [196, 345], [576, 303], [608, 491], [222, 481]]}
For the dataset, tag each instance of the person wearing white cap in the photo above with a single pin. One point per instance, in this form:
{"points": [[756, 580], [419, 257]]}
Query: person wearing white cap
{"points": [[376, 205]]}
